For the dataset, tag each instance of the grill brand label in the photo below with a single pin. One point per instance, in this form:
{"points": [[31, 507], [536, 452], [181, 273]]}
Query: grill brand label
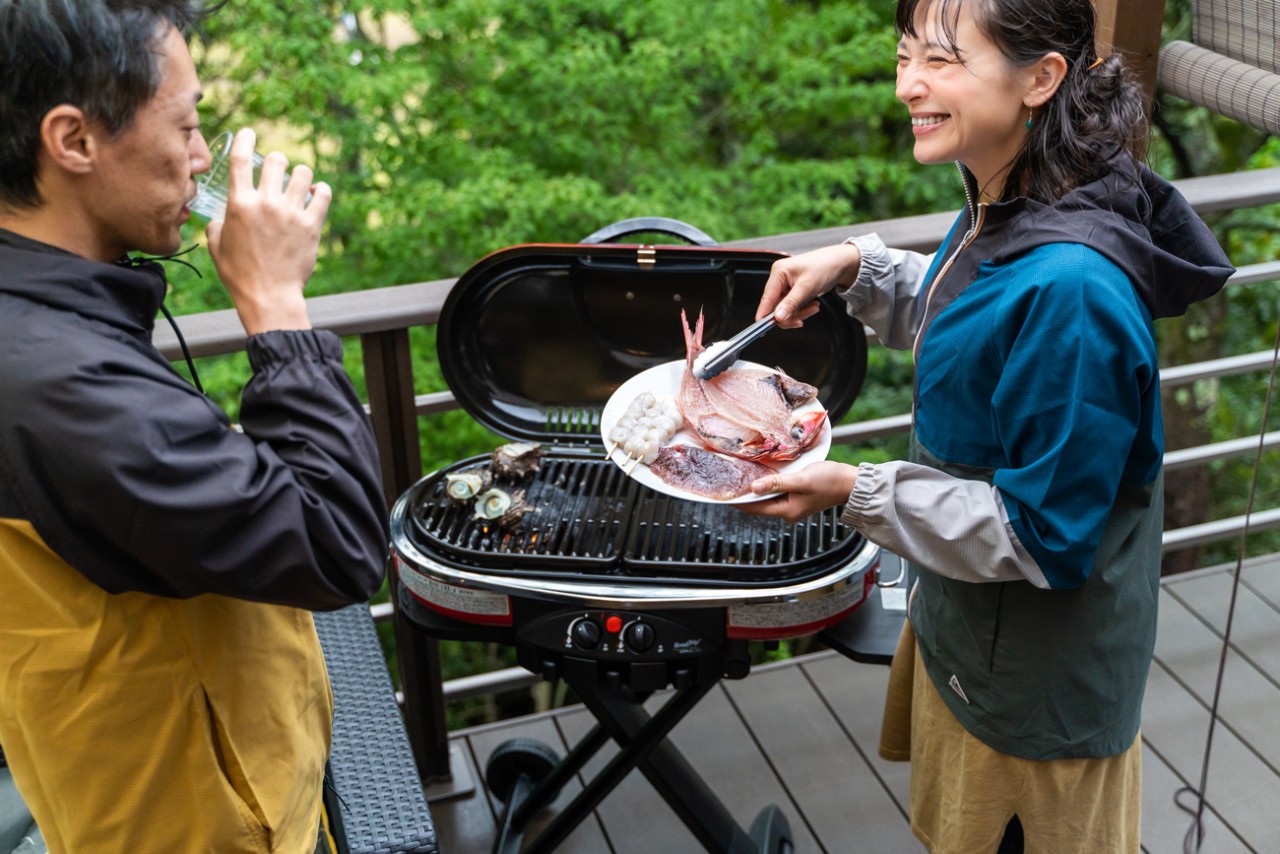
{"points": [[460, 599]]}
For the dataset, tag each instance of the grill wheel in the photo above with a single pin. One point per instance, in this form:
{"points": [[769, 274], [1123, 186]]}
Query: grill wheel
{"points": [[519, 762]]}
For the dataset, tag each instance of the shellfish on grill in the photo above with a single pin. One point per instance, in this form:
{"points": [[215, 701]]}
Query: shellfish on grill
{"points": [[466, 485], [504, 508], [516, 460]]}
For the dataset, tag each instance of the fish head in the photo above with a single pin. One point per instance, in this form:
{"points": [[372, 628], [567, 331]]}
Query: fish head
{"points": [[805, 426], [802, 433]]}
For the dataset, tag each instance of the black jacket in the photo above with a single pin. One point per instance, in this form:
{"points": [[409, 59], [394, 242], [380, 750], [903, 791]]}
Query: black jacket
{"points": [[141, 483]]}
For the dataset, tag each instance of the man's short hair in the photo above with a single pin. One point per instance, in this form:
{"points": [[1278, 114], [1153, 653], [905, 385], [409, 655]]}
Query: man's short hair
{"points": [[98, 55]]}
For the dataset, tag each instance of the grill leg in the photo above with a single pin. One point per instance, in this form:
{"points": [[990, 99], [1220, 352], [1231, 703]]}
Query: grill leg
{"points": [[675, 779], [527, 806], [643, 742]]}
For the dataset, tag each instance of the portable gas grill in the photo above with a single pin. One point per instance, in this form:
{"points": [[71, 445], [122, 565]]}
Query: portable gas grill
{"points": [[614, 588]]}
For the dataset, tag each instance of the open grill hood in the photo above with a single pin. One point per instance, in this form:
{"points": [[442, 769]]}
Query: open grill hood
{"points": [[533, 340]]}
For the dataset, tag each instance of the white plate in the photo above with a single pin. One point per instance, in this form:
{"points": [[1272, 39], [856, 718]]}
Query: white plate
{"points": [[663, 381]]}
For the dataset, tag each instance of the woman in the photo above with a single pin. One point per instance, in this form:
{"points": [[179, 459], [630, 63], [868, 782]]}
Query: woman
{"points": [[1031, 507]]}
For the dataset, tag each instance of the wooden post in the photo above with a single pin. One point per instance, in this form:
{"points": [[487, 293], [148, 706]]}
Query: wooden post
{"points": [[1132, 27], [388, 369]]}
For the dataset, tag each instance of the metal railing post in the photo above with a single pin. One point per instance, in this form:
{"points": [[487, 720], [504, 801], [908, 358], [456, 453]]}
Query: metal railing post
{"points": [[388, 370]]}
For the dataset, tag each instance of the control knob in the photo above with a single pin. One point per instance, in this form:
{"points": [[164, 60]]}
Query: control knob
{"points": [[585, 633], [640, 637]]}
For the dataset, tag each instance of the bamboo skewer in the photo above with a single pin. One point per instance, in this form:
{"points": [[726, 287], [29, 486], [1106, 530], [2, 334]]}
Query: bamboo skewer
{"points": [[627, 470], [612, 445]]}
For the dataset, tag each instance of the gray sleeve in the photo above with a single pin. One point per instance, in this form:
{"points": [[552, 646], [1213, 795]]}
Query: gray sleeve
{"points": [[884, 294], [953, 527]]}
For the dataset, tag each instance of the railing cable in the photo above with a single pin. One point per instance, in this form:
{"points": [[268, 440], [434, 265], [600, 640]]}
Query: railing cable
{"points": [[1195, 833]]}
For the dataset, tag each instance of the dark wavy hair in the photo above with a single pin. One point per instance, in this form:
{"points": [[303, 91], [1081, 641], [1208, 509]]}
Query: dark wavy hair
{"points": [[96, 54], [1097, 114]]}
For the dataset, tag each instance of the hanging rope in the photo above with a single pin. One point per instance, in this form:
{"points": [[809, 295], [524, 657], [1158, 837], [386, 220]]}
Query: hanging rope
{"points": [[140, 260], [186, 354], [1195, 833]]}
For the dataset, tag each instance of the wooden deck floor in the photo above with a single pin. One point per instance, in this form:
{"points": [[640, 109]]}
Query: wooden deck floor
{"points": [[802, 734]]}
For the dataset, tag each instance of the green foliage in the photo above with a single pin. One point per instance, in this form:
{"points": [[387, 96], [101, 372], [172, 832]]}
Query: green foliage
{"points": [[451, 129]]}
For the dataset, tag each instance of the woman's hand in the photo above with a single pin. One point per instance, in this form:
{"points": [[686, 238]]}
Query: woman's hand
{"points": [[266, 249], [810, 490], [796, 281]]}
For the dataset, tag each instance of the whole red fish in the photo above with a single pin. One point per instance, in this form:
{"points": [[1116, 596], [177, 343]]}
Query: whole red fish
{"points": [[747, 412]]}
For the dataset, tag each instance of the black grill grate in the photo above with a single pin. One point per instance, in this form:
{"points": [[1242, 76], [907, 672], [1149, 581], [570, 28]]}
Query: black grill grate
{"points": [[679, 537], [591, 519], [579, 507]]}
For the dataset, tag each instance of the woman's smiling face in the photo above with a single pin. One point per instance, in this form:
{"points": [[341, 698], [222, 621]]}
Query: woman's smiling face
{"points": [[965, 98]]}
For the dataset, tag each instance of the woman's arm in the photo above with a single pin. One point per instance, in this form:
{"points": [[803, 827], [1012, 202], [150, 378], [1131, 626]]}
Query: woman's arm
{"points": [[884, 294]]}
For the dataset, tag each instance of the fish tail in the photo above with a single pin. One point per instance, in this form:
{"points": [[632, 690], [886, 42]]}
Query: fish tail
{"points": [[688, 340], [692, 339]]}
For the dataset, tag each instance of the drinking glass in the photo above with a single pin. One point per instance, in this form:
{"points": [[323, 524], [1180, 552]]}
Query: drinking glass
{"points": [[210, 202]]}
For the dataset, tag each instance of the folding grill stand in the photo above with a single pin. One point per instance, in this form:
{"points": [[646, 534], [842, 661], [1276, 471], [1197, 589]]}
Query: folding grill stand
{"points": [[527, 775], [644, 744]]}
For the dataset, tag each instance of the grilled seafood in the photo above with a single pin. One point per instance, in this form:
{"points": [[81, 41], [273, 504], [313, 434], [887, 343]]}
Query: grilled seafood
{"points": [[464, 486], [504, 508], [747, 412], [516, 460], [706, 473]]}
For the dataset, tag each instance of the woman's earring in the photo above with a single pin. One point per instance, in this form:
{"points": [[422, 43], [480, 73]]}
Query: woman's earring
{"points": [[1030, 116]]}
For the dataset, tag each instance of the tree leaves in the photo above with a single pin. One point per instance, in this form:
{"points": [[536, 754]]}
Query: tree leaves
{"points": [[451, 129]]}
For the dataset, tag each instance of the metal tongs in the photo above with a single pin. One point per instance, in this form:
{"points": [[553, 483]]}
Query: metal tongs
{"points": [[714, 360]]}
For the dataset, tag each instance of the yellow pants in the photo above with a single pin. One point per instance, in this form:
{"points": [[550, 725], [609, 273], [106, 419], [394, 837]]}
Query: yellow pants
{"points": [[963, 793]]}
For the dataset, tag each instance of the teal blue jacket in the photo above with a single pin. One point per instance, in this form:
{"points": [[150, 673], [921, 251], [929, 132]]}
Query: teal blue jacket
{"points": [[1032, 507]]}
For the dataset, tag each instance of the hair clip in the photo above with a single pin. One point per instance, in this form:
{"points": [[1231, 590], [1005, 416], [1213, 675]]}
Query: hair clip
{"points": [[1095, 64]]}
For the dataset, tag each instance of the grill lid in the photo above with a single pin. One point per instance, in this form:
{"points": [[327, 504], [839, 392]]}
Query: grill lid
{"points": [[534, 338]]}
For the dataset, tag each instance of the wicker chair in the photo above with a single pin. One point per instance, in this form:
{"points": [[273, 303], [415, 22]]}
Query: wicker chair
{"points": [[1232, 64], [18, 833], [375, 801], [373, 794]]}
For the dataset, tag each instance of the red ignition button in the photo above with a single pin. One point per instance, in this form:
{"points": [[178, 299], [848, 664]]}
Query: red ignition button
{"points": [[613, 625]]}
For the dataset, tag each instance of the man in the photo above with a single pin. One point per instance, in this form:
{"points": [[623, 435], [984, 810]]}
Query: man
{"points": [[162, 688]]}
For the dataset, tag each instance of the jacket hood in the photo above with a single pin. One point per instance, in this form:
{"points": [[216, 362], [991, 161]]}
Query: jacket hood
{"points": [[1137, 220], [126, 295]]}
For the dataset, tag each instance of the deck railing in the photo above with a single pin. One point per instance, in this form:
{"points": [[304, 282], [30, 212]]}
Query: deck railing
{"points": [[382, 317]]}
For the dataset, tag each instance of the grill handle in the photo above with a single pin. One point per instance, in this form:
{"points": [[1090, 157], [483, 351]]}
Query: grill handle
{"points": [[645, 224], [902, 570]]}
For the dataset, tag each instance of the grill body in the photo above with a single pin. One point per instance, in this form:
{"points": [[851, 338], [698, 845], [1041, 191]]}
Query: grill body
{"points": [[618, 590]]}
